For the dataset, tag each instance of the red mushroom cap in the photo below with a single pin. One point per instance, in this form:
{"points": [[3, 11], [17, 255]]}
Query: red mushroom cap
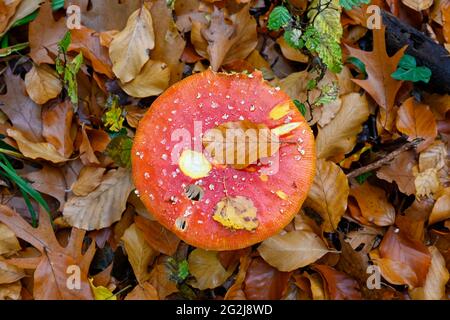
{"points": [[213, 99]]}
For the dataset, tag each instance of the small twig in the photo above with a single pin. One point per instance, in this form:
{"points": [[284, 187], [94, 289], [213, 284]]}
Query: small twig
{"points": [[385, 160]]}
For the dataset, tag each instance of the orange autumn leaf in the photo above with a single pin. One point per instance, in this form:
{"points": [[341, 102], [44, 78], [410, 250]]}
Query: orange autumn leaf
{"points": [[50, 276], [417, 121], [379, 66], [337, 284]]}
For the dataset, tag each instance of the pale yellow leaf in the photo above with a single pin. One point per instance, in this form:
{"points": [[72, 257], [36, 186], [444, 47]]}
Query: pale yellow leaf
{"points": [[10, 291], [88, 179], [427, 183], [236, 213], [207, 269], [8, 241], [9, 273]]}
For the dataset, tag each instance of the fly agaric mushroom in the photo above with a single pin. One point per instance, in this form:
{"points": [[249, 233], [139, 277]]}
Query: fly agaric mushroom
{"points": [[214, 204]]}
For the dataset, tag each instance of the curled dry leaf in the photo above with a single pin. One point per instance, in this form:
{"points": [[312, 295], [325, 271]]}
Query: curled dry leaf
{"points": [[427, 183], [292, 250], [129, 50], [225, 39], [103, 206], [140, 254], [158, 237], [88, 179], [400, 171], [373, 204], [42, 83], [151, 81], [8, 241], [417, 121], [337, 284], [9, 273], [441, 209], [328, 194], [207, 269], [7, 10], [402, 260], [50, 276], [11, 291], [92, 141], [36, 150], [264, 282], [437, 278], [339, 136]]}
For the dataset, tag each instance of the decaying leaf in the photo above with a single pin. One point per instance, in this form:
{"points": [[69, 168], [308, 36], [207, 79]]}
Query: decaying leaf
{"points": [[400, 171], [292, 250], [236, 213], [9, 273], [160, 280], [88, 179], [338, 285], [158, 237], [427, 183], [328, 194], [8, 241], [42, 84], [103, 206], [441, 208]]}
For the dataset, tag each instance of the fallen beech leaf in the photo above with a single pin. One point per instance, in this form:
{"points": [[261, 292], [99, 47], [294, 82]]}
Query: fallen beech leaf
{"points": [[264, 282], [44, 35], [403, 260], [186, 12], [328, 194], [316, 285], [373, 203], [36, 150], [427, 183], [441, 209], [290, 52], [88, 179], [153, 79], [42, 83], [143, 291], [129, 50], [240, 143], [158, 237], [439, 103], [24, 8], [160, 280], [11, 291], [134, 115], [222, 42], [57, 125], [103, 206], [236, 213], [87, 41], [9, 273], [417, 121], [7, 10], [92, 141], [140, 254], [49, 180], [50, 276], [8, 241], [292, 250], [207, 269], [339, 136], [435, 156], [437, 278], [235, 292], [169, 44], [418, 5], [338, 285], [400, 171], [379, 67], [412, 221], [23, 113]]}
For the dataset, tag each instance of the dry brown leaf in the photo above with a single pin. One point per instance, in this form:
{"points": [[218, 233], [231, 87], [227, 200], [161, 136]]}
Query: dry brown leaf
{"points": [[400, 171], [339, 136], [373, 204], [292, 250], [49, 180], [445, 9], [207, 270], [379, 66], [130, 48], [435, 156], [23, 113], [188, 11], [143, 291], [8, 241], [89, 179], [441, 209], [328, 194], [153, 79], [158, 237], [235, 292], [169, 44], [9, 273], [417, 121], [418, 5], [11, 291], [7, 10], [57, 125], [437, 278], [25, 8], [160, 279], [140, 254], [50, 276], [290, 52], [36, 150], [225, 40], [427, 184], [44, 35], [337, 284], [439, 103], [92, 141], [103, 206], [134, 115], [42, 83]]}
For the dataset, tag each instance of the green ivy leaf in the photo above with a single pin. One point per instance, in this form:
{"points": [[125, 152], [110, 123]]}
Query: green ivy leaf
{"points": [[349, 4], [279, 18], [409, 71], [119, 149]]}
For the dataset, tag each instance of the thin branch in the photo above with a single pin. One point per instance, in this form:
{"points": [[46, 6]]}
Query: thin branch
{"points": [[385, 160]]}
